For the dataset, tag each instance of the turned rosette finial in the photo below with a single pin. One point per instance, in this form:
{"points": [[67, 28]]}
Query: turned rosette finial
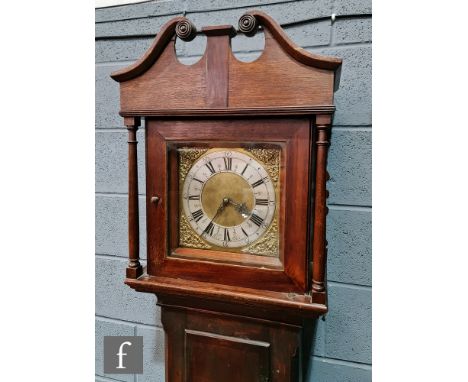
{"points": [[248, 24], [185, 30]]}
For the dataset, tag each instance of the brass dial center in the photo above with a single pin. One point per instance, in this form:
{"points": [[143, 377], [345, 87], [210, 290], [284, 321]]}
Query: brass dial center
{"points": [[221, 189]]}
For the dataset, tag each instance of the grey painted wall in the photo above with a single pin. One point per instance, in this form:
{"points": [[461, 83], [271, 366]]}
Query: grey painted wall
{"points": [[342, 350]]}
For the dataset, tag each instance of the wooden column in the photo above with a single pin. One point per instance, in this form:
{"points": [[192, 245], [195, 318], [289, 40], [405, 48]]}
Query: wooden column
{"points": [[319, 257], [134, 268]]}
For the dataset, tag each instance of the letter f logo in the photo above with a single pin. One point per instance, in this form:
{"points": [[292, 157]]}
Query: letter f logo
{"points": [[123, 354], [120, 354]]}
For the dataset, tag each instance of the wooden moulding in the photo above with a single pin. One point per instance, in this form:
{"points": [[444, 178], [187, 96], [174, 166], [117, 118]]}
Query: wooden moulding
{"points": [[227, 112], [301, 55], [151, 55], [295, 305]]}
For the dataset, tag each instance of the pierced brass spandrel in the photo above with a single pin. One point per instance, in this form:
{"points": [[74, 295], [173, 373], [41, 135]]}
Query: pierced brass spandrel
{"points": [[187, 237], [187, 156], [268, 244], [271, 160]]}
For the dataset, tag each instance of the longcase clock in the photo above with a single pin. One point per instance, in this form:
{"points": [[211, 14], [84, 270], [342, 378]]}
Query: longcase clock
{"points": [[235, 197]]}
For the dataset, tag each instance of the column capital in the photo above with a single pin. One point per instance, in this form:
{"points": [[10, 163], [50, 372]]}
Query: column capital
{"points": [[323, 120], [132, 123]]}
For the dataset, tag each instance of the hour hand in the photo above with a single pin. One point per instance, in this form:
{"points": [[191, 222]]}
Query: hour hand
{"points": [[221, 208]]}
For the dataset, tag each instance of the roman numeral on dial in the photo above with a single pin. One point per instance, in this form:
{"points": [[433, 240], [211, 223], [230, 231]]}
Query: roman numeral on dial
{"points": [[245, 168], [209, 229], [261, 202], [257, 220], [228, 163], [211, 167], [226, 235], [194, 197], [258, 183], [197, 215], [243, 230]]}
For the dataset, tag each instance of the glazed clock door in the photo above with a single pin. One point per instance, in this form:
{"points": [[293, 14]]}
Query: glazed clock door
{"points": [[232, 201]]}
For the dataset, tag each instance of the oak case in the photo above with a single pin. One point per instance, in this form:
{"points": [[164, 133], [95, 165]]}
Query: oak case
{"points": [[229, 315]]}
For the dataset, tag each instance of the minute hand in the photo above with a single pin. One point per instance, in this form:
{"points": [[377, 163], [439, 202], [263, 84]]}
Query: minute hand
{"points": [[241, 208]]}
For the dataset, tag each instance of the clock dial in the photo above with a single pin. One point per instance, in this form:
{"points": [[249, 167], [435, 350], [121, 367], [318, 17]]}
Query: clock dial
{"points": [[228, 198]]}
